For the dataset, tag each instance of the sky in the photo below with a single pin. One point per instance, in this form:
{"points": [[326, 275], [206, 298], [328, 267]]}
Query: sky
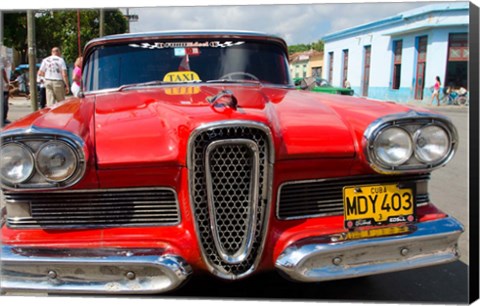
{"points": [[296, 23]]}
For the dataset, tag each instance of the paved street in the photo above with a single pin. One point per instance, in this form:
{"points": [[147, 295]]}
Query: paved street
{"points": [[442, 284]]}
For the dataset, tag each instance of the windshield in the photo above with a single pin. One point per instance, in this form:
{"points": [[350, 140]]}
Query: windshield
{"points": [[185, 61]]}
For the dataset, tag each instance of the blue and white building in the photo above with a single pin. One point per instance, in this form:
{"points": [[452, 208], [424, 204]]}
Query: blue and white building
{"points": [[398, 58]]}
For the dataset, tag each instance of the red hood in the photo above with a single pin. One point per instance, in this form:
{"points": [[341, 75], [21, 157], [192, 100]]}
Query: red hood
{"points": [[151, 127]]}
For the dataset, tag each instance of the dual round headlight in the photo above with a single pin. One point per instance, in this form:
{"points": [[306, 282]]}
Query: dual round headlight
{"points": [[394, 146], [17, 163], [55, 161]]}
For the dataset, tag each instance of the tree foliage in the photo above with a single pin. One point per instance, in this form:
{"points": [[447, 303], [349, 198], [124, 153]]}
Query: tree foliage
{"points": [[59, 28], [318, 46]]}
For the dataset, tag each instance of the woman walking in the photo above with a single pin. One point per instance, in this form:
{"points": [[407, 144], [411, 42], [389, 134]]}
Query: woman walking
{"points": [[436, 90], [77, 77]]}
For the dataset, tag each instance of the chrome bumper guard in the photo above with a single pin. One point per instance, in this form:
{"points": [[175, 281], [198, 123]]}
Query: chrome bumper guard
{"points": [[327, 258], [107, 271]]}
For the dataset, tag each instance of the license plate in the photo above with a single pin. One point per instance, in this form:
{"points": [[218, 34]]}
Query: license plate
{"points": [[371, 205]]}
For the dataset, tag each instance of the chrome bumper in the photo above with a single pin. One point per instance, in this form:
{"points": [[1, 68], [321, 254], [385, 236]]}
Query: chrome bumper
{"points": [[327, 258], [91, 271]]}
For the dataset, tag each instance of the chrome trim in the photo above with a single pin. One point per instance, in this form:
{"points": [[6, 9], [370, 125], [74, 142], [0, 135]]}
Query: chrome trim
{"points": [[421, 178], [35, 133], [330, 257], [229, 123], [110, 190], [269, 189], [247, 242], [411, 117], [104, 271]]}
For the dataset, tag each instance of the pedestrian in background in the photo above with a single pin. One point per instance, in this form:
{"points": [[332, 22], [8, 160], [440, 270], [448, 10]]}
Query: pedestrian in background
{"points": [[436, 90], [77, 77], [41, 91], [54, 69], [6, 81]]}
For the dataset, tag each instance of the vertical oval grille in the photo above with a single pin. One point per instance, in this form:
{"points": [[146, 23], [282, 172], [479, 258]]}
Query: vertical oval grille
{"points": [[228, 180]]}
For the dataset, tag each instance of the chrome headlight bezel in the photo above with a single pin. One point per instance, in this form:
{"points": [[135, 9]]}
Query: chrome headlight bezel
{"points": [[35, 139], [411, 122]]}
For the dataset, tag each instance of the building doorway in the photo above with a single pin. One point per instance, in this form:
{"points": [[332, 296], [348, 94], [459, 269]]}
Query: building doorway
{"points": [[366, 70], [457, 63], [421, 64]]}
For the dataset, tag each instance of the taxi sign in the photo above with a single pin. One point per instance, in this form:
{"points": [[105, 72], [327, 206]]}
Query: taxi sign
{"points": [[370, 205], [181, 76]]}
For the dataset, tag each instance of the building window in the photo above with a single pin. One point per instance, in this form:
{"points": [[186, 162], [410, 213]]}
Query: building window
{"points": [[330, 67], [305, 70], [457, 64], [458, 47], [345, 68], [317, 72], [397, 63]]}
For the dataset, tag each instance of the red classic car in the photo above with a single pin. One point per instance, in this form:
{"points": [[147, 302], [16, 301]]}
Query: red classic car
{"points": [[192, 152]]}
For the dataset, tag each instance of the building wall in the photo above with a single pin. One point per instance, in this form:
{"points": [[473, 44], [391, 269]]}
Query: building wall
{"points": [[435, 25], [299, 69]]}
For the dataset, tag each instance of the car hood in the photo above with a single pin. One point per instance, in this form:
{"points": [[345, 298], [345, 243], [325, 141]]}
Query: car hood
{"points": [[151, 126]]}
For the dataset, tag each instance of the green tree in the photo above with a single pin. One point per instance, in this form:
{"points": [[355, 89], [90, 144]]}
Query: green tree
{"points": [[59, 28], [15, 32], [318, 46], [298, 48]]}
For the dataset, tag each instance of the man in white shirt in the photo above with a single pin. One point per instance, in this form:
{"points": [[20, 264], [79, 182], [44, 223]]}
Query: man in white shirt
{"points": [[5, 82], [54, 70]]}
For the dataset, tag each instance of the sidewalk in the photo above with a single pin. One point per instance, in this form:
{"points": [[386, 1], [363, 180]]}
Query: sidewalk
{"points": [[18, 107]]}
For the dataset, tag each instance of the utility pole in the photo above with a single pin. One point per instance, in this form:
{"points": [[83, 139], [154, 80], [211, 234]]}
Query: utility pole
{"points": [[128, 18], [32, 58], [102, 23]]}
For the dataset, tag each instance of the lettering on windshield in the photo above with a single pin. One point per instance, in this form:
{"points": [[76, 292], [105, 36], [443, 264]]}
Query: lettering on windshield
{"points": [[187, 44]]}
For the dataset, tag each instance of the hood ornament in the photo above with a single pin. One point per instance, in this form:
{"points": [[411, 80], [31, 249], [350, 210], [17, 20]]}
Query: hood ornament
{"points": [[224, 98]]}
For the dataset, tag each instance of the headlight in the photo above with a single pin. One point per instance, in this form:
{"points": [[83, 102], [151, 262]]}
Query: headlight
{"points": [[393, 146], [56, 161], [17, 163], [410, 142], [431, 144]]}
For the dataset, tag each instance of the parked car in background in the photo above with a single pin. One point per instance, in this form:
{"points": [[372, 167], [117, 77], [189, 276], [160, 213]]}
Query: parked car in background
{"points": [[321, 85], [193, 152]]}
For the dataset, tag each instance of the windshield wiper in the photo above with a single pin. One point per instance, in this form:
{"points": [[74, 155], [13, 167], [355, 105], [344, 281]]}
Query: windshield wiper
{"points": [[154, 83]]}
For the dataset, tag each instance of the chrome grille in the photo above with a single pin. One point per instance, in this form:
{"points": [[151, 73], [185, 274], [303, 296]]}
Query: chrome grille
{"points": [[228, 179], [314, 198], [92, 208]]}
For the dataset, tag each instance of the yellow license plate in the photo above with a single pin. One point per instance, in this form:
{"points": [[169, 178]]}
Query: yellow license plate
{"points": [[371, 205]]}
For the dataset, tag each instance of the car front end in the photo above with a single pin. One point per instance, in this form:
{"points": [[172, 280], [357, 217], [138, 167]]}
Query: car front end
{"points": [[222, 169]]}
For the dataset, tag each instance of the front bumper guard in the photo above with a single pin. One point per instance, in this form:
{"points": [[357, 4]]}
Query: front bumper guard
{"points": [[79, 271], [326, 258]]}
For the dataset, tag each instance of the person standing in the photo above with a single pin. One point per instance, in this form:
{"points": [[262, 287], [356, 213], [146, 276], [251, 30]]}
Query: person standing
{"points": [[54, 69], [41, 91], [77, 77], [436, 90], [5, 89]]}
